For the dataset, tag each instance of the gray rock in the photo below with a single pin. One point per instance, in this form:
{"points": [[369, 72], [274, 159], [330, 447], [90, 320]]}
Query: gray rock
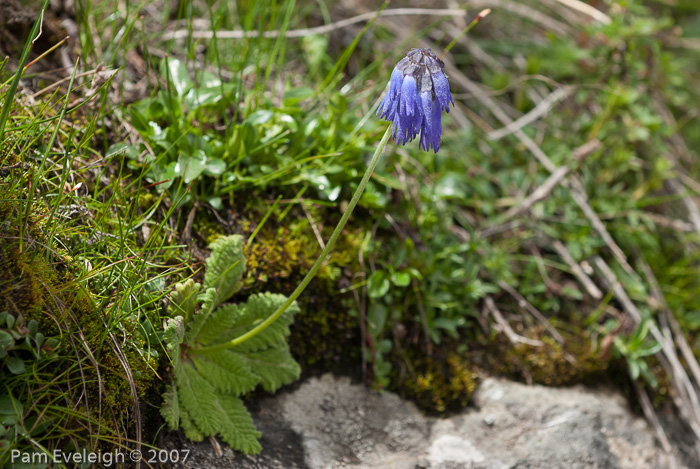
{"points": [[331, 423]]}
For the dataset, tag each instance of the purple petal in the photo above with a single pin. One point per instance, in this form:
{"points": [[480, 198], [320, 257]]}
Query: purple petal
{"points": [[384, 106], [408, 96], [395, 82], [442, 91], [427, 123], [437, 125]]}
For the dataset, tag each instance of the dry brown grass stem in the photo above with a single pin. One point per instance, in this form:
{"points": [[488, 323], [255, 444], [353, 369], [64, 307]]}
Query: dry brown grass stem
{"points": [[513, 337], [238, 34]]}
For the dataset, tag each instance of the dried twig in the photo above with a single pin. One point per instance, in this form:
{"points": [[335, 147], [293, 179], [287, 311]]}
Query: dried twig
{"points": [[526, 305], [216, 446], [63, 80], [554, 179], [682, 150], [651, 416], [238, 34], [611, 279], [314, 226], [661, 220], [540, 110], [586, 9], [576, 269], [5, 170], [676, 336], [526, 12], [690, 408], [505, 327]]}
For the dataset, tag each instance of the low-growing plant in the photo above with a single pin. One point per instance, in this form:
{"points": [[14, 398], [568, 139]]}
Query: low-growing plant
{"points": [[15, 423], [20, 341], [213, 349], [21, 345], [181, 153], [204, 397]]}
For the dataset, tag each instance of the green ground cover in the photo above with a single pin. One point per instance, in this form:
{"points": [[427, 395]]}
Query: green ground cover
{"points": [[552, 239]]}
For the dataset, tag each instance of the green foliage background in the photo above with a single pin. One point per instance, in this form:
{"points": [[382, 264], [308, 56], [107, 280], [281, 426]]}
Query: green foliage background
{"points": [[114, 183]]}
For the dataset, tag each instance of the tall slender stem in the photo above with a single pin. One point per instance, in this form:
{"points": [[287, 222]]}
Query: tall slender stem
{"points": [[317, 265], [483, 14]]}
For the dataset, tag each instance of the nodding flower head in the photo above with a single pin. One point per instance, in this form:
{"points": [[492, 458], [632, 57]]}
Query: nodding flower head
{"points": [[418, 93]]}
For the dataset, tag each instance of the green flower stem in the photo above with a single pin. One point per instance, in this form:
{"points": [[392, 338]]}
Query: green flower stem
{"points": [[317, 265], [483, 14]]}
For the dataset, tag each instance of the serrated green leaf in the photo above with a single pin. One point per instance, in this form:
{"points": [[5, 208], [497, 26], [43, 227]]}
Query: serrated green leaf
{"points": [[173, 338], [197, 399], [258, 308], [275, 367], [226, 372], [237, 428], [203, 399], [184, 298], [225, 266], [222, 319], [209, 301], [170, 410], [174, 333], [210, 298], [188, 426]]}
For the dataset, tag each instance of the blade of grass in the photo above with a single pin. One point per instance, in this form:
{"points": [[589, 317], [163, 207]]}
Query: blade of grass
{"points": [[20, 69]]}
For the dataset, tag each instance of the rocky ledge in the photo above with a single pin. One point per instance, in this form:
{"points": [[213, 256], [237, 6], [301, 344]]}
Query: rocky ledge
{"points": [[332, 423]]}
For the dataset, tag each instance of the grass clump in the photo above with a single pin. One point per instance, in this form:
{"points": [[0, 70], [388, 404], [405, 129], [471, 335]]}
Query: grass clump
{"points": [[451, 268]]}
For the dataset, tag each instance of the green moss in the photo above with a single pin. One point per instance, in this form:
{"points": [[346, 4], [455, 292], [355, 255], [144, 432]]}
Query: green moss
{"points": [[207, 229], [441, 382], [552, 364], [40, 283], [116, 387], [324, 335]]}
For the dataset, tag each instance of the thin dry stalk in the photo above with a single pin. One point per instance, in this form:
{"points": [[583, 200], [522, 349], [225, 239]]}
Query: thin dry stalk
{"points": [[651, 416], [675, 334], [540, 110], [513, 337], [544, 191], [576, 269], [238, 34], [526, 12], [526, 305], [574, 184], [690, 407], [314, 226], [587, 10]]}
